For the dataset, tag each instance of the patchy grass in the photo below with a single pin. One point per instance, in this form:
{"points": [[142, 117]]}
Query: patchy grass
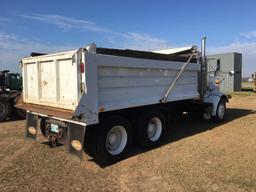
{"points": [[243, 93], [195, 156]]}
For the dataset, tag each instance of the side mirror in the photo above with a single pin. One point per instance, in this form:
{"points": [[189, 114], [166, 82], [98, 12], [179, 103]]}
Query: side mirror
{"points": [[231, 73]]}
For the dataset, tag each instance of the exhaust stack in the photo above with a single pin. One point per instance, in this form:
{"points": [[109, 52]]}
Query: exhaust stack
{"points": [[203, 73]]}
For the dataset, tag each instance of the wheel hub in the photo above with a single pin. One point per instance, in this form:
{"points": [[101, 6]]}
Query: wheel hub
{"points": [[112, 138], [116, 140], [154, 129], [221, 111]]}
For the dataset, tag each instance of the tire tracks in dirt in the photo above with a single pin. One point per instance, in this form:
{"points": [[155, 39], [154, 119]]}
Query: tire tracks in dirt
{"points": [[8, 160]]}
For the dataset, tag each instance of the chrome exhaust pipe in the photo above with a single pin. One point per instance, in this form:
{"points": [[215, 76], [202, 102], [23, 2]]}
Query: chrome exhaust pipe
{"points": [[203, 75], [203, 48]]}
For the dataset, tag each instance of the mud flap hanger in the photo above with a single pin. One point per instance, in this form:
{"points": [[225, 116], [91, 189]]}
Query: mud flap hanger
{"points": [[184, 66], [74, 140], [31, 128]]}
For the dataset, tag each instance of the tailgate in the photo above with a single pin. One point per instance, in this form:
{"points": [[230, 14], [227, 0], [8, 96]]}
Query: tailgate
{"points": [[52, 80]]}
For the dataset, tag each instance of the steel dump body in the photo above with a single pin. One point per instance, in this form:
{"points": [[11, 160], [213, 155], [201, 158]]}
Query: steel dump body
{"points": [[110, 82], [51, 80]]}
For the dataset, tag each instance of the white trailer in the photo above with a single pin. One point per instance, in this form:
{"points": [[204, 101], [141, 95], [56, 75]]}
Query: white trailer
{"points": [[100, 100]]}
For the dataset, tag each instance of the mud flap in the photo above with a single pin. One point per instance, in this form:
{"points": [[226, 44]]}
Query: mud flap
{"points": [[75, 141], [31, 126]]}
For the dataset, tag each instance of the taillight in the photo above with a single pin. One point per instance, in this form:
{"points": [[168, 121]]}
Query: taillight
{"points": [[82, 67]]}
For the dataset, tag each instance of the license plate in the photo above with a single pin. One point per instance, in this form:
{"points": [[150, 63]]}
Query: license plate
{"points": [[54, 128]]}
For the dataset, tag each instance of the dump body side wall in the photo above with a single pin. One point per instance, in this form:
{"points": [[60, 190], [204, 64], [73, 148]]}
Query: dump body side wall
{"points": [[126, 85], [112, 82], [115, 82]]}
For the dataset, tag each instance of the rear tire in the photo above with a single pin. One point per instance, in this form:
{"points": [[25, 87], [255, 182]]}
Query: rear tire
{"points": [[5, 109], [150, 128], [112, 140], [89, 140]]}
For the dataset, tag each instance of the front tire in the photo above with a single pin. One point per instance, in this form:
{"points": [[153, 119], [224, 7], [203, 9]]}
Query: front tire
{"points": [[221, 111], [113, 140]]}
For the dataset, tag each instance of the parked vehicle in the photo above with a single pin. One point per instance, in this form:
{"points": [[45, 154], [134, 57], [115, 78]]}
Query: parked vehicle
{"points": [[10, 90], [253, 81], [101, 100]]}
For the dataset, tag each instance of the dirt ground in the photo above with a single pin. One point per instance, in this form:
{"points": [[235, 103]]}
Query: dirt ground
{"points": [[195, 156]]}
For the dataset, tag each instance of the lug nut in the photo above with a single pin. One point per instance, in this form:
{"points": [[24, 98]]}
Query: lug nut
{"points": [[54, 142], [60, 133], [47, 129]]}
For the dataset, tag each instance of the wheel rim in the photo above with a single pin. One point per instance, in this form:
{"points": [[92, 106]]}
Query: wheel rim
{"points": [[116, 140], [221, 111], [154, 129]]}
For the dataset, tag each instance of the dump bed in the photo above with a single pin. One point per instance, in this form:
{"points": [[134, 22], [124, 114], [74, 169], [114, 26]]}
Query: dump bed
{"points": [[118, 82], [108, 80], [52, 80]]}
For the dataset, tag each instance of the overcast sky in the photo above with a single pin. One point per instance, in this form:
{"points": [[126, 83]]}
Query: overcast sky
{"points": [[45, 26]]}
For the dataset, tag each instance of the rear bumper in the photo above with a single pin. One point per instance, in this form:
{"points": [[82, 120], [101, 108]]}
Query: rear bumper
{"points": [[46, 111], [51, 113]]}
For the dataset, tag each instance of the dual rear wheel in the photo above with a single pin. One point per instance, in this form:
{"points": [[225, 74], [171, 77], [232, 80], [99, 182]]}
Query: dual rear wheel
{"points": [[150, 128], [110, 141]]}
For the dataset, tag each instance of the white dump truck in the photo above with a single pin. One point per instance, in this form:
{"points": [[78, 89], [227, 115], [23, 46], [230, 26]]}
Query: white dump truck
{"points": [[100, 100]]}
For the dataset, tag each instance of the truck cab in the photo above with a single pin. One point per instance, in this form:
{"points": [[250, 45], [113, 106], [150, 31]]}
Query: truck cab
{"points": [[10, 90]]}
